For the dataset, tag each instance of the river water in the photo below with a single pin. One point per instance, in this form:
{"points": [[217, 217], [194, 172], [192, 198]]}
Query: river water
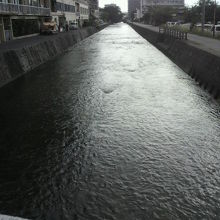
{"points": [[111, 130]]}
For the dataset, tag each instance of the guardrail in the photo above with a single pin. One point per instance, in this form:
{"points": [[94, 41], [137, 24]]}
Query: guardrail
{"points": [[173, 33], [23, 9]]}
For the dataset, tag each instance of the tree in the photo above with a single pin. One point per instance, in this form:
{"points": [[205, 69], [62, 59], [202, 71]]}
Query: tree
{"points": [[209, 9], [147, 18], [159, 15], [194, 14], [112, 14]]}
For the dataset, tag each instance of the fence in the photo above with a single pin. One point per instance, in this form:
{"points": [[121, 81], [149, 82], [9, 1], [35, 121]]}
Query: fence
{"points": [[173, 33]]}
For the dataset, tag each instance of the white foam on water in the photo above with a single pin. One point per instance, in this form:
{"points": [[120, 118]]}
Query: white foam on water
{"points": [[7, 217]]}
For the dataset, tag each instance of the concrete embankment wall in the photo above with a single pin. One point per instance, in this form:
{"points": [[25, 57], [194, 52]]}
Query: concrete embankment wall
{"points": [[18, 61], [201, 65]]}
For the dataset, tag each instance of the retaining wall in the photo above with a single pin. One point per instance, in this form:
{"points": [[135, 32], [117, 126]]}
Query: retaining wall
{"points": [[203, 66], [20, 60]]}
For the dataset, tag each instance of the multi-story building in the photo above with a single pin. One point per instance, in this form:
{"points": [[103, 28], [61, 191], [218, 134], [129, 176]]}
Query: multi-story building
{"points": [[67, 11], [19, 18], [83, 11], [146, 4], [94, 8], [133, 5], [112, 5]]}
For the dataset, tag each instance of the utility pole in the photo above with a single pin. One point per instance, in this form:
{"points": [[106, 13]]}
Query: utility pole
{"points": [[203, 15], [214, 19]]}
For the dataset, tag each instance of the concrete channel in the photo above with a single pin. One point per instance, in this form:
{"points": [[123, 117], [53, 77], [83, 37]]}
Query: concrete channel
{"points": [[198, 61]]}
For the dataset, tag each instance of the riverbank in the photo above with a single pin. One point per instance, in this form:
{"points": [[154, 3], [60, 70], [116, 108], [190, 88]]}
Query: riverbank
{"points": [[197, 57], [6, 217], [20, 56]]}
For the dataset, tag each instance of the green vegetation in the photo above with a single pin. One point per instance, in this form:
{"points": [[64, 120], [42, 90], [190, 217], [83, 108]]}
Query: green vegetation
{"points": [[158, 15], [111, 14]]}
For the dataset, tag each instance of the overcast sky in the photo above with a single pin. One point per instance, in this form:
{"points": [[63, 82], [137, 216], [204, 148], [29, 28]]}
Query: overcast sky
{"points": [[123, 4]]}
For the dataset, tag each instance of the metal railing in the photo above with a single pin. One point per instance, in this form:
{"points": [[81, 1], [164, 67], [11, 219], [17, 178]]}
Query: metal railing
{"points": [[173, 33], [9, 8]]}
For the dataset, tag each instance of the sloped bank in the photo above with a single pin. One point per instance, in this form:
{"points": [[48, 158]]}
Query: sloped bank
{"points": [[201, 65], [22, 58]]}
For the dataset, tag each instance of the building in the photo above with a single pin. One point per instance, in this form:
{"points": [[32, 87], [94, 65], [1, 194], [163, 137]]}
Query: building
{"points": [[94, 8], [20, 18], [146, 4], [138, 14], [83, 11], [110, 5], [133, 5], [67, 11]]}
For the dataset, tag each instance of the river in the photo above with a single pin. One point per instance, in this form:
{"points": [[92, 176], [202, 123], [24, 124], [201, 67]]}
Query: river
{"points": [[110, 130]]}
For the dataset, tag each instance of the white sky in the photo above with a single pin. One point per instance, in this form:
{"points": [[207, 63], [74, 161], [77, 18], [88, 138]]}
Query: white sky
{"points": [[123, 4]]}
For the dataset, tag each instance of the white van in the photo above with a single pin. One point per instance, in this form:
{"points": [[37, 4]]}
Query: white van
{"points": [[73, 25], [171, 24]]}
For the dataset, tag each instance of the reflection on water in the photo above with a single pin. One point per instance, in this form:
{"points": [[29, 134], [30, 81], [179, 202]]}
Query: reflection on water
{"points": [[111, 130]]}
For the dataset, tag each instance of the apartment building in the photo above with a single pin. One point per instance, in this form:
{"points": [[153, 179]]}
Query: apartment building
{"points": [[83, 12], [94, 8], [20, 18], [146, 4], [67, 11]]}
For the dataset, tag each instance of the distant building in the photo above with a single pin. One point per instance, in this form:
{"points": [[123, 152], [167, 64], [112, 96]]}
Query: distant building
{"points": [[94, 8], [113, 5], [133, 5], [67, 11], [146, 4], [138, 14]]}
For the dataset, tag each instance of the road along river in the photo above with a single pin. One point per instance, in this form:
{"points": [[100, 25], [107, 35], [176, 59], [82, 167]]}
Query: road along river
{"points": [[111, 130]]}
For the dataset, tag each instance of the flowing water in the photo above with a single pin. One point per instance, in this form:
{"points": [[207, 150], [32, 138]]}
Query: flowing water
{"points": [[111, 130]]}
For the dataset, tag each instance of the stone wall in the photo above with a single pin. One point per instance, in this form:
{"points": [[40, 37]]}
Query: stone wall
{"points": [[199, 64], [18, 61]]}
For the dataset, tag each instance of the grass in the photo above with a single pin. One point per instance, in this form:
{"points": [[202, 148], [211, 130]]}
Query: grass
{"points": [[204, 34]]}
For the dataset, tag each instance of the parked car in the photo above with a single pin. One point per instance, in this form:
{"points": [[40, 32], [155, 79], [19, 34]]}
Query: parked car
{"points": [[186, 26], [171, 24], [73, 25], [49, 27]]}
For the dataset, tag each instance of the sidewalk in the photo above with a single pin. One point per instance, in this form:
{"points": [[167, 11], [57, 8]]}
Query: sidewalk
{"points": [[204, 43]]}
